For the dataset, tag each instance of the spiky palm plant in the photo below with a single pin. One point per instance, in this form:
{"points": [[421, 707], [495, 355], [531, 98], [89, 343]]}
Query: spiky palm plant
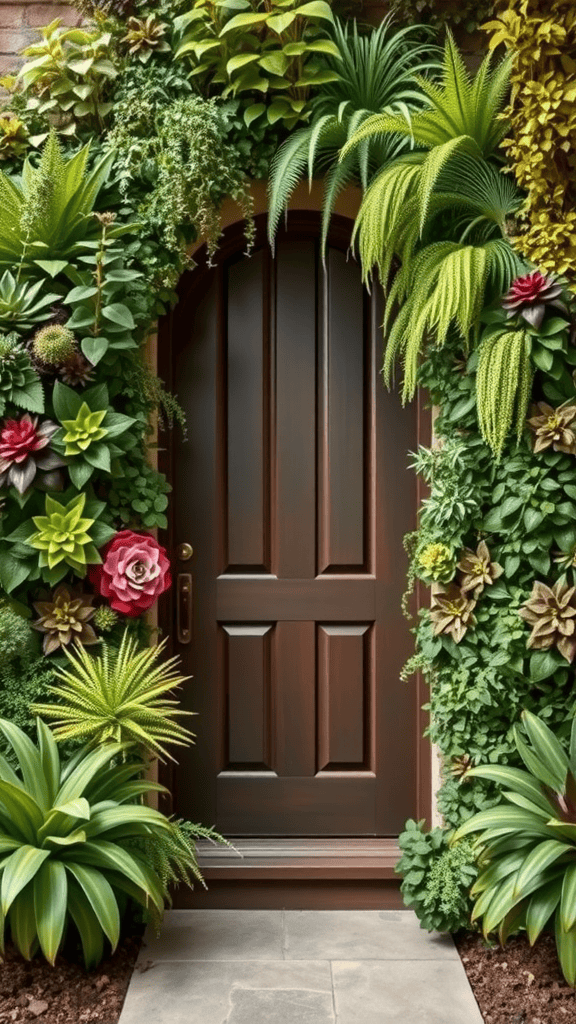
{"points": [[120, 697], [376, 73], [440, 212]]}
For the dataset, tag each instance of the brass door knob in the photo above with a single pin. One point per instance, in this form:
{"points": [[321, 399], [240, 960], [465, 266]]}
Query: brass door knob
{"points": [[185, 552]]}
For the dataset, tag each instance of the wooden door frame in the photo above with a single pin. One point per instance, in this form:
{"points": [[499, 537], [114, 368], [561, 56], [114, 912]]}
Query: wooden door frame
{"points": [[325, 873]]}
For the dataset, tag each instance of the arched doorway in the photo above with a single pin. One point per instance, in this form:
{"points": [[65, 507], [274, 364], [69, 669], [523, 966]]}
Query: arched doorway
{"points": [[294, 493]]}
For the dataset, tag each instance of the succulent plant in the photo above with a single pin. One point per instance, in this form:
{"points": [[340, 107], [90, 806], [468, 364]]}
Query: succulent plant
{"points": [[76, 371], [436, 563], [530, 295], [22, 305], [65, 619], [105, 618], [54, 345], [452, 613], [478, 570], [145, 36], [553, 428], [551, 612], [24, 450], [19, 382], [63, 535], [84, 430]]}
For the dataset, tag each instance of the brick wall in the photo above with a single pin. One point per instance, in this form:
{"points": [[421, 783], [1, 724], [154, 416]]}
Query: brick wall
{"points": [[19, 22]]}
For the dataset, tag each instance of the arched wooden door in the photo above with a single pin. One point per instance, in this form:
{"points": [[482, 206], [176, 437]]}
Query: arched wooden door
{"points": [[294, 492]]}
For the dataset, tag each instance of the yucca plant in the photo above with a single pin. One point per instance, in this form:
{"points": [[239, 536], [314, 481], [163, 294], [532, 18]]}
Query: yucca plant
{"points": [[120, 696], [440, 212], [528, 844], [376, 73], [65, 835], [47, 216]]}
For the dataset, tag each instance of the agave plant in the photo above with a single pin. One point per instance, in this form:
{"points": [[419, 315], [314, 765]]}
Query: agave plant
{"points": [[376, 73], [65, 834], [528, 844], [23, 304], [440, 211], [120, 696]]}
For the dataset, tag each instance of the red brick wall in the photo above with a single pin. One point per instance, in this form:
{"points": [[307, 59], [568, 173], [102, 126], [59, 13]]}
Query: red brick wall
{"points": [[19, 20]]}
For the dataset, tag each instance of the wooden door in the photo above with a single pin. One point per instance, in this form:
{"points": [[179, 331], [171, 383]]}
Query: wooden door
{"points": [[294, 492]]}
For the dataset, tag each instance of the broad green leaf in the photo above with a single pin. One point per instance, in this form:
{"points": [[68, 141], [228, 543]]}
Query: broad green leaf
{"points": [[29, 761], [86, 770], [100, 895], [50, 905], [87, 924], [240, 61], [566, 947], [515, 778], [315, 9], [94, 349], [546, 746], [21, 809], [540, 858], [66, 402], [119, 314], [19, 869], [23, 922], [541, 907], [243, 21], [568, 904]]}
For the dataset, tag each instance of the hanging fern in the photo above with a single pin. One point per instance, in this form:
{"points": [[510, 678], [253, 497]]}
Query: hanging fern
{"points": [[503, 386]]}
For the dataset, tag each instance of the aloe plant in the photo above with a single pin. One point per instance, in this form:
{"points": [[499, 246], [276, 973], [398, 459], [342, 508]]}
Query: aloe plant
{"points": [[66, 836], [528, 844]]}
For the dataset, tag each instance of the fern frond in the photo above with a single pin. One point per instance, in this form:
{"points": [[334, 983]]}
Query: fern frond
{"points": [[503, 386]]}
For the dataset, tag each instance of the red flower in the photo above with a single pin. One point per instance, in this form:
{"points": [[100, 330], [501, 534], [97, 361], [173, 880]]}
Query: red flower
{"points": [[529, 296], [22, 444], [135, 571]]}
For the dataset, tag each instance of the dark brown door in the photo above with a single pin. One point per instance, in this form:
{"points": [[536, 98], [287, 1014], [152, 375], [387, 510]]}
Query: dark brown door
{"points": [[293, 491]]}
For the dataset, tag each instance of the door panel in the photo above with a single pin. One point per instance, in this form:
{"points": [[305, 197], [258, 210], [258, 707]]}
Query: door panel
{"points": [[294, 492]]}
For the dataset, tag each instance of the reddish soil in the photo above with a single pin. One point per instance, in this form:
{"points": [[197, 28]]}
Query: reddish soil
{"points": [[517, 984], [66, 993]]}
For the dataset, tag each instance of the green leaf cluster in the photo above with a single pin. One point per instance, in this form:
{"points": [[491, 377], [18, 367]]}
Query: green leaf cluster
{"points": [[436, 877], [92, 434]]}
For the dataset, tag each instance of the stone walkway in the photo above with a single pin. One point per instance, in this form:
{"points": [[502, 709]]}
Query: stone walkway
{"points": [[298, 967]]}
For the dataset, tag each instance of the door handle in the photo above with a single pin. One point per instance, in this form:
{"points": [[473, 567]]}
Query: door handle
{"points": [[184, 607]]}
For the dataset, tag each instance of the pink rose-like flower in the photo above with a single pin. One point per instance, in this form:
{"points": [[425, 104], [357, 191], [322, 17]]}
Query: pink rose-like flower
{"points": [[134, 572]]}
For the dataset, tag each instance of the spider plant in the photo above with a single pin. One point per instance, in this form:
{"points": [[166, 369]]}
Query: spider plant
{"points": [[119, 696], [376, 73], [439, 214]]}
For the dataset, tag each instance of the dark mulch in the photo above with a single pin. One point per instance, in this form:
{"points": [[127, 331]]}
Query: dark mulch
{"points": [[517, 984], [66, 993]]}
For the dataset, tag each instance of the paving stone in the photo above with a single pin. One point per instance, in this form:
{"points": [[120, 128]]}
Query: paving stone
{"points": [[361, 935], [288, 1006], [217, 935], [419, 992], [188, 992]]}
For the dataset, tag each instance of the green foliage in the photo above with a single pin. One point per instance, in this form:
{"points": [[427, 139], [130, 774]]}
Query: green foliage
{"points": [[469, 14], [92, 434], [17, 640], [376, 72], [437, 877], [64, 832], [23, 304], [503, 386], [48, 216], [138, 492], [528, 874], [441, 210], [273, 52], [69, 77], [120, 697], [19, 382]]}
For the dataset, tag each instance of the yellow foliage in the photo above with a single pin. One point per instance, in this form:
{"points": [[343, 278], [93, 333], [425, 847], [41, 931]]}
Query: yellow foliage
{"points": [[541, 146]]}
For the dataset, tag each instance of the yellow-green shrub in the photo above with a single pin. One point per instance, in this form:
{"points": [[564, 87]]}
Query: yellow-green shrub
{"points": [[541, 34]]}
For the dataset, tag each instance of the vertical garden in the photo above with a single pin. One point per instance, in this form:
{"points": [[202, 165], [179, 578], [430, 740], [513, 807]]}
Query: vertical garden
{"points": [[119, 142]]}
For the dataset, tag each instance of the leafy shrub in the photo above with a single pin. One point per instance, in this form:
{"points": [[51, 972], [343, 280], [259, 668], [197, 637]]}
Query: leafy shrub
{"points": [[528, 874], [119, 696], [437, 877], [63, 832], [17, 640]]}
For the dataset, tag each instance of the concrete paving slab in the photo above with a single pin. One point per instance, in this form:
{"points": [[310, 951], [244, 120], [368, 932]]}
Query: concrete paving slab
{"points": [[217, 935], [194, 992], [362, 935], [401, 991]]}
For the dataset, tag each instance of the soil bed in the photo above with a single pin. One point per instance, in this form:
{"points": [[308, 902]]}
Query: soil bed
{"points": [[517, 984], [66, 993]]}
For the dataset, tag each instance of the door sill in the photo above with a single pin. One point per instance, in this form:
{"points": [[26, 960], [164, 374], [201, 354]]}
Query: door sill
{"points": [[299, 874]]}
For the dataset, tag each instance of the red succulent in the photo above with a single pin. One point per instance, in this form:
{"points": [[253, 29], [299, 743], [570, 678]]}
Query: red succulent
{"points": [[22, 451], [135, 570], [530, 295]]}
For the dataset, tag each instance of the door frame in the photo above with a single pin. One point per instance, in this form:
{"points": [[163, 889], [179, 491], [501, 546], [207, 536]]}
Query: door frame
{"points": [[302, 874]]}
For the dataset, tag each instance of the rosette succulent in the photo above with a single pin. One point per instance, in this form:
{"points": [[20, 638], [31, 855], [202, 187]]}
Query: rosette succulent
{"points": [[436, 563], [134, 572], [92, 434], [452, 613], [19, 382], [553, 428], [62, 535], [65, 619], [530, 296], [24, 449], [551, 612], [22, 305], [478, 570]]}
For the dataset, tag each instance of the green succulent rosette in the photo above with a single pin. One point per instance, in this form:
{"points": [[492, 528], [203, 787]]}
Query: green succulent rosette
{"points": [[436, 563], [91, 433], [20, 385]]}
